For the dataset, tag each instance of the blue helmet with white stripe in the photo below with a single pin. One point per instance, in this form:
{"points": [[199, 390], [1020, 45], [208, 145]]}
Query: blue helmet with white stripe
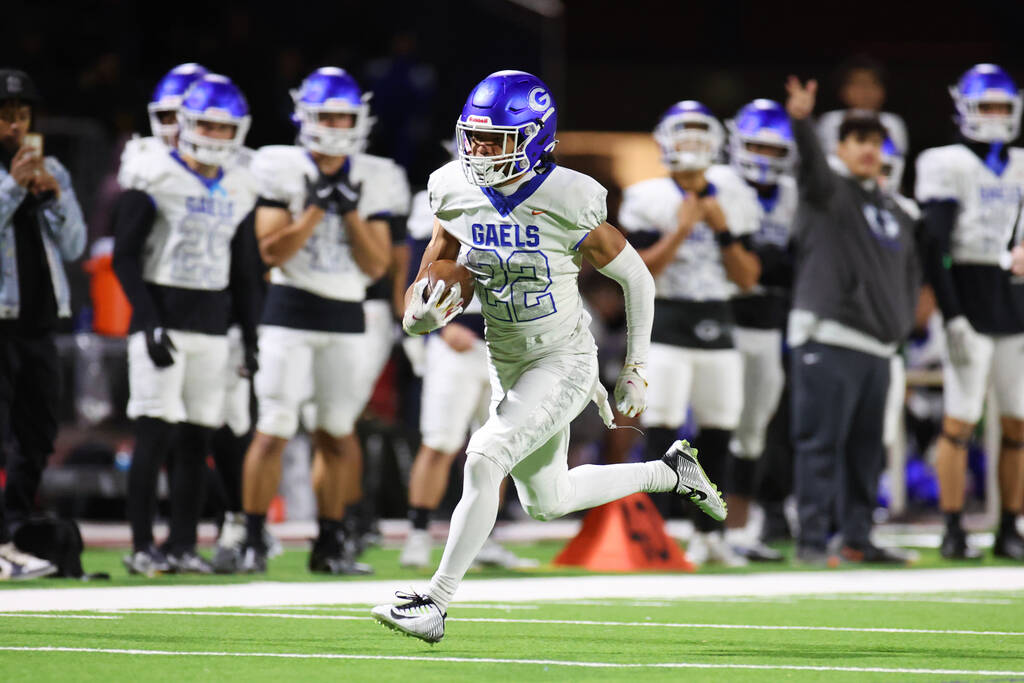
{"points": [[986, 84], [689, 135], [515, 112], [331, 90], [761, 142], [214, 98], [167, 98]]}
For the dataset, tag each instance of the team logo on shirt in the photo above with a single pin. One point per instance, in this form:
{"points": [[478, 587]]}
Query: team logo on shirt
{"points": [[883, 224]]}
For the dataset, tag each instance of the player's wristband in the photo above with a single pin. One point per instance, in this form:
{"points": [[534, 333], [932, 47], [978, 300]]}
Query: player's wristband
{"points": [[724, 238], [708, 191]]}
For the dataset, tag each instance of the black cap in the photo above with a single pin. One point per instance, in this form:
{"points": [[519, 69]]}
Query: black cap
{"points": [[861, 123], [16, 85]]}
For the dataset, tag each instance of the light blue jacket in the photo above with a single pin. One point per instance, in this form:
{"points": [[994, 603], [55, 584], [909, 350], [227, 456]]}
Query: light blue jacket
{"points": [[63, 231]]}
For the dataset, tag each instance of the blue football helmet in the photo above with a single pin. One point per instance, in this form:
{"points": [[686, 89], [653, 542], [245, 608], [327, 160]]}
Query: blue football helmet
{"points": [[332, 90], [892, 166], [761, 122], [167, 97], [519, 108], [212, 98], [986, 83], [689, 135]]}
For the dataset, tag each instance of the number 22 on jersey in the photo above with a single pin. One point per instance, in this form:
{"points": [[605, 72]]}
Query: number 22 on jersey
{"points": [[514, 289]]}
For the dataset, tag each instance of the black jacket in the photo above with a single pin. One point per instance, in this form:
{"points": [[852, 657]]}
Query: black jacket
{"points": [[856, 257]]}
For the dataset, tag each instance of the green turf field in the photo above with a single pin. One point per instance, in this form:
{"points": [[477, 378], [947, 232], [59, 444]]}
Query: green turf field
{"points": [[972, 633], [328, 643]]}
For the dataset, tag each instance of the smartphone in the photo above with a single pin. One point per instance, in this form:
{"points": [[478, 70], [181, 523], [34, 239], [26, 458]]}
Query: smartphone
{"points": [[34, 141]]}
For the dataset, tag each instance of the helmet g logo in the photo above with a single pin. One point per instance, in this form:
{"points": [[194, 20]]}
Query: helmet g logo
{"points": [[539, 99]]}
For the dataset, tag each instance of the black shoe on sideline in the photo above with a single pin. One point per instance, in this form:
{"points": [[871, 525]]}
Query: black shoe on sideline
{"points": [[872, 554], [1009, 544], [955, 547]]}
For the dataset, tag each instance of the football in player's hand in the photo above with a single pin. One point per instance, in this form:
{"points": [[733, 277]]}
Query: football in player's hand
{"points": [[451, 272]]}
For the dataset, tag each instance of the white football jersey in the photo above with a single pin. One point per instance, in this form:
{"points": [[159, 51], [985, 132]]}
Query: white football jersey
{"points": [[989, 212], [189, 245], [696, 273], [523, 248], [421, 227], [775, 222], [325, 265]]}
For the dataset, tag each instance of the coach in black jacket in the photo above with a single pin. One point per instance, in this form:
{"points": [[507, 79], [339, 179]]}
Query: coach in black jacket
{"points": [[856, 286]]}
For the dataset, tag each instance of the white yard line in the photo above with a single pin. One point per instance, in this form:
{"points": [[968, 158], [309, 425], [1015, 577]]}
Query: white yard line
{"points": [[25, 615], [521, 590], [365, 608], [535, 662], [588, 622]]}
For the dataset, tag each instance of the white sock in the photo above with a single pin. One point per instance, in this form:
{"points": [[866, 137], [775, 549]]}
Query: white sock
{"points": [[471, 524], [594, 485]]}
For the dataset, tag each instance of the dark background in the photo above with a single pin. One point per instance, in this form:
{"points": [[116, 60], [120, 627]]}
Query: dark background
{"points": [[612, 65]]}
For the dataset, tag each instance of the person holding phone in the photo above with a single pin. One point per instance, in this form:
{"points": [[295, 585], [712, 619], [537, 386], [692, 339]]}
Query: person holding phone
{"points": [[40, 226]]}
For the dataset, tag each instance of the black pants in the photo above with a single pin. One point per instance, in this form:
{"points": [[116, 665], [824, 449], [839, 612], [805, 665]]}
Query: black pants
{"points": [[30, 385], [775, 467], [838, 405]]}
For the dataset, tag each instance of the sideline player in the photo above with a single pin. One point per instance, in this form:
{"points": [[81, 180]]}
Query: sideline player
{"points": [[321, 222], [971, 194], [762, 151], [691, 229], [179, 257], [526, 224]]}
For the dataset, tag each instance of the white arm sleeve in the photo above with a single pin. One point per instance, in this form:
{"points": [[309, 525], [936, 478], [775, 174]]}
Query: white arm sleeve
{"points": [[629, 270]]}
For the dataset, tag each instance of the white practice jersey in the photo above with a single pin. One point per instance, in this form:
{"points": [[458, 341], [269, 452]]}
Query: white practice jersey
{"points": [[325, 265], [776, 215], [989, 206], [189, 245], [526, 253], [697, 272]]}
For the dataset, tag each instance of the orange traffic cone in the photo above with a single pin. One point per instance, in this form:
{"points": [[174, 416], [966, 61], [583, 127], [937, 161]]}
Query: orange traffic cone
{"points": [[625, 535]]}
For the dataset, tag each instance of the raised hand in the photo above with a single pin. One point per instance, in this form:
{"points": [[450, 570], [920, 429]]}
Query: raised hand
{"points": [[800, 102]]}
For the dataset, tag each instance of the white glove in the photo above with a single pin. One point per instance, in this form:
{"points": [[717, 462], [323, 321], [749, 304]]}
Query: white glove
{"points": [[437, 311], [959, 340], [631, 390]]}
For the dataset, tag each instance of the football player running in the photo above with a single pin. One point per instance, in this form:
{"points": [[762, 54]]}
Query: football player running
{"points": [[971, 194], [456, 395], [691, 229], [526, 224], [322, 226], [179, 257], [762, 151]]}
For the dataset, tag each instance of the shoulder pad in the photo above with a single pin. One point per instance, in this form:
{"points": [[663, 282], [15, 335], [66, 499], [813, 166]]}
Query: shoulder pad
{"points": [[280, 172], [144, 162]]}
